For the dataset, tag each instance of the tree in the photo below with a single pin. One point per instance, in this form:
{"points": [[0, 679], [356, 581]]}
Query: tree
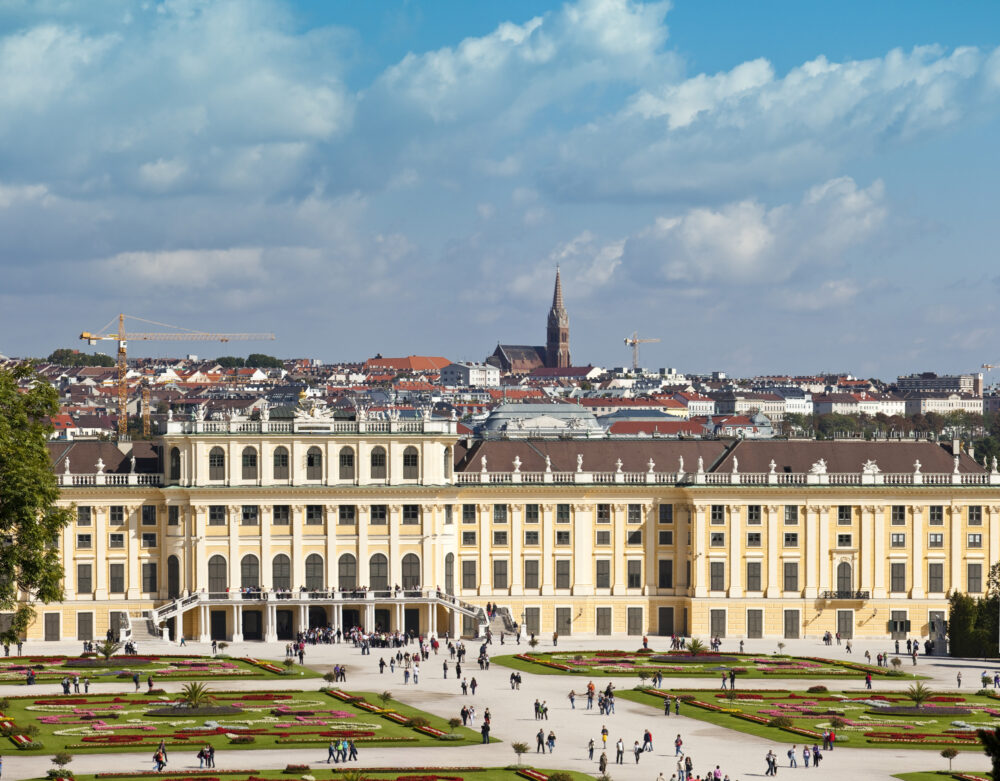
{"points": [[261, 361], [30, 522], [67, 357], [61, 759], [386, 698], [107, 649], [918, 693], [195, 694], [230, 362], [949, 754], [696, 647], [990, 738], [520, 749]]}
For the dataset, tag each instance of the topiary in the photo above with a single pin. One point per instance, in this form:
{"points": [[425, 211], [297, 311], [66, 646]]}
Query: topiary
{"points": [[818, 689], [780, 721], [838, 722]]}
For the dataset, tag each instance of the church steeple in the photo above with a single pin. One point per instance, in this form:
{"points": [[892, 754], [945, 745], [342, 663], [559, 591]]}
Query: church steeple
{"points": [[557, 331]]}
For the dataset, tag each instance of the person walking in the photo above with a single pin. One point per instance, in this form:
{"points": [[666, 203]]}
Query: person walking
{"points": [[637, 750], [959, 679], [806, 755], [572, 699], [677, 746], [791, 757], [551, 741], [604, 737], [620, 752], [485, 730], [540, 741], [680, 769], [666, 706], [590, 749], [602, 764]]}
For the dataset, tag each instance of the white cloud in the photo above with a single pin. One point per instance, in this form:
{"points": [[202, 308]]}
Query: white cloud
{"points": [[747, 242], [829, 294], [162, 174], [588, 265]]}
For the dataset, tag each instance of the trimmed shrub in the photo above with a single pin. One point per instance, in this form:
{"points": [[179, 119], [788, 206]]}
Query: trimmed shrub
{"points": [[820, 689], [780, 721]]}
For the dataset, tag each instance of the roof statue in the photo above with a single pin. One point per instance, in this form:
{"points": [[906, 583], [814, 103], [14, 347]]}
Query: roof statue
{"points": [[736, 465], [517, 464], [131, 465], [100, 466], [701, 465], [916, 467], [548, 464], [66, 470], [618, 466], [170, 413], [771, 467], [482, 462], [819, 468], [652, 464], [454, 414], [956, 465], [425, 413], [310, 408], [199, 412], [579, 462], [869, 467], [680, 465], [993, 465], [265, 410]]}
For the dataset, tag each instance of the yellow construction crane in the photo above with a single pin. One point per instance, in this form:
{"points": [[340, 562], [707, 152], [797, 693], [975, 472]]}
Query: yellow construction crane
{"points": [[989, 366], [180, 335], [634, 341]]}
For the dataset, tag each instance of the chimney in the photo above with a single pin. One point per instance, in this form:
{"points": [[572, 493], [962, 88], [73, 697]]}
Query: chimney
{"points": [[971, 451], [956, 449]]}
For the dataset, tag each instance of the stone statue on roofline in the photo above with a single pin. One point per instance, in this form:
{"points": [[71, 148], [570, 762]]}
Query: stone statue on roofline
{"points": [[680, 465], [869, 467], [100, 466], [701, 465], [772, 467], [993, 465], [265, 411], [548, 464], [579, 462], [482, 463], [736, 465], [652, 464], [131, 465], [618, 466], [955, 470], [517, 464], [819, 468], [916, 467], [199, 412], [66, 465]]}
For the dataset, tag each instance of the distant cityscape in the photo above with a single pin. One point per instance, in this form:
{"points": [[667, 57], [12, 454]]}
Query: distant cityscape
{"points": [[517, 391]]}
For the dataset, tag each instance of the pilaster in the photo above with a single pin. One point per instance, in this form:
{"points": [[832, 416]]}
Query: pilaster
{"points": [[735, 551], [699, 548], [135, 549], [811, 559], [773, 544], [879, 590], [918, 564]]}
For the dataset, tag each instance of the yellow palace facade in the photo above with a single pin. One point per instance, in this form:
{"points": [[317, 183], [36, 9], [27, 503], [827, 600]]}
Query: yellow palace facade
{"points": [[246, 529]]}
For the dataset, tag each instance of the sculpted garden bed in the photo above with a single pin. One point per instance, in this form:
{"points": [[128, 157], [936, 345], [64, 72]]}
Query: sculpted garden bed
{"points": [[858, 720], [52, 669], [137, 722], [675, 664]]}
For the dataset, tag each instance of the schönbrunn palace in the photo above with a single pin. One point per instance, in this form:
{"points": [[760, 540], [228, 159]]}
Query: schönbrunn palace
{"points": [[257, 528]]}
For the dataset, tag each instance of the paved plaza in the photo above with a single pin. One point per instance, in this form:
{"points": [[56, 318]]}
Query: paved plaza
{"points": [[737, 754]]}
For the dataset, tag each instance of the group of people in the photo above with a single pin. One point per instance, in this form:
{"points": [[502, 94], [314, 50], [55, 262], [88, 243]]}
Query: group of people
{"points": [[75, 683], [20, 648], [342, 750]]}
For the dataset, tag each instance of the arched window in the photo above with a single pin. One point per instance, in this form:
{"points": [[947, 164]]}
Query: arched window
{"points": [[347, 572], [378, 463], [281, 572], [448, 465], [216, 464], [173, 577], [378, 573], [411, 571], [314, 464], [844, 579], [249, 463], [449, 574], [346, 463], [218, 576], [281, 463], [175, 463], [250, 571], [314, 572], [411, 463]]}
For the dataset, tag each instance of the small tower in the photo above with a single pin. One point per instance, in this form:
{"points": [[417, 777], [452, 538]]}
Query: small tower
{"points": [[557, 331]]}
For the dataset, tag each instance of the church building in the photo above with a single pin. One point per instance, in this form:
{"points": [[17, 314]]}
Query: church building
{"points": [[524, 359]]}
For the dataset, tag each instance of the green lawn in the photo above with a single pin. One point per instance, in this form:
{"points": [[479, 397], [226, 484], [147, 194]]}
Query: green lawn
{"points": [[52, 669], [292, 719], [865, 726], [676, 665], [319, 770]]}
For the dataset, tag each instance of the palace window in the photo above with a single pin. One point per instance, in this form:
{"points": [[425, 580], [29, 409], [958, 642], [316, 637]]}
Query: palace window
{"points": [[499, 513], [753, 515], [935, 578], [897, 540], [314, 515], [604, 513], [531, 573], [217, 464], [791, 539], [116, 540], [844, 540], [633, 573], [379, 515], [250, 515], [753, 539], [603, 537], [531, 538], [377, 461], [173, 515], [281, 515], [346, 463], [753, 576], [411, 514], [500, 538], [84, 579], [665, 573], [975, 515], [635, 513], [791, 576], [411, 464], [468, 538], [500, 573], [149, 515], [83, 541], [562, 538], [897, 577], [633, 537], [116, 578], [468, 513], [935, 540], [280, 462], [666, 537], [562, 573], [531, 513], [249, 463], [666, 513], [149, 539], [116, 514], [975, 541], [974, 578], [314, 464], [562, 513], [83, 516], [845, 515], [717, 575], [718, 539], [936, 515], [217, 515], [898, 515], [469, 574], [347, 515], [718, 514], [603, 573], [791, 514]]}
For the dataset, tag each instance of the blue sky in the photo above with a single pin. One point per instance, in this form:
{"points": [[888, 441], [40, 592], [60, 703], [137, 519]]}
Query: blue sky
{"points": [[767, 187]]}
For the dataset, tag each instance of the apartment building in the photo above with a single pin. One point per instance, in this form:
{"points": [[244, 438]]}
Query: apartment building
{"points": [[254, 529]]}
